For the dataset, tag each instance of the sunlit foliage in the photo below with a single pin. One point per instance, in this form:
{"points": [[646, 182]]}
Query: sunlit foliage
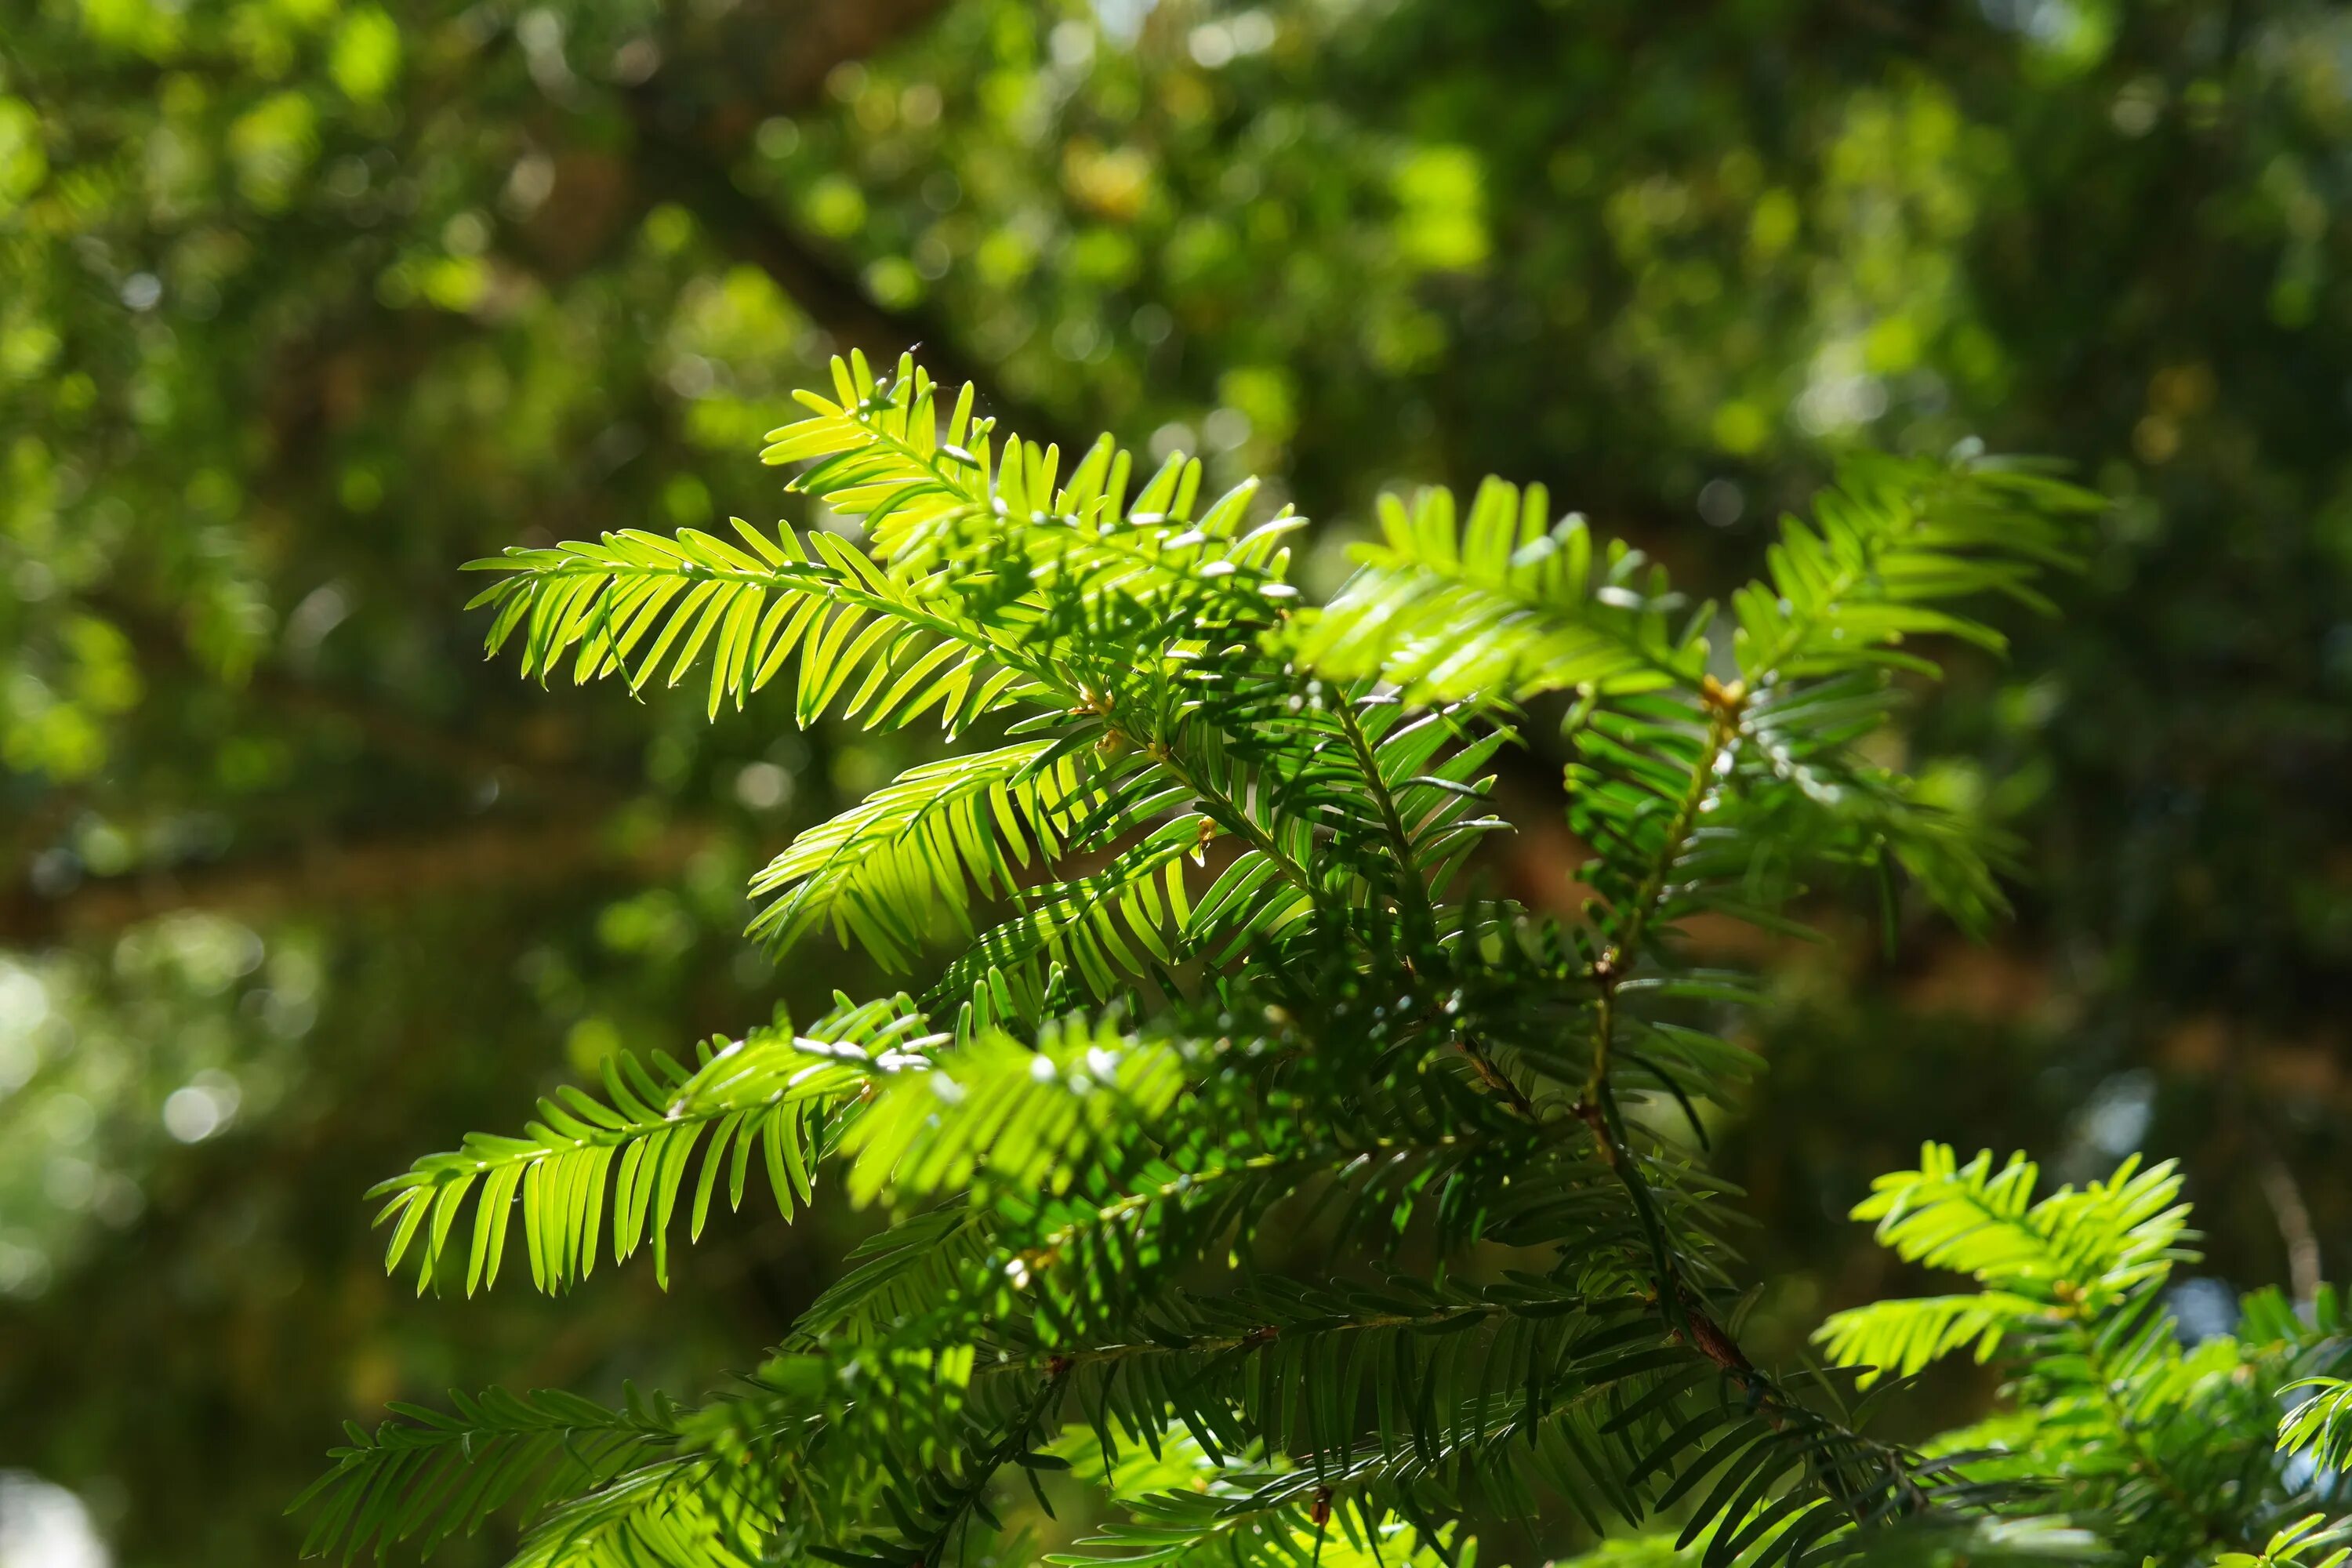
{"points": [[1278, 1011], [302, 301]]}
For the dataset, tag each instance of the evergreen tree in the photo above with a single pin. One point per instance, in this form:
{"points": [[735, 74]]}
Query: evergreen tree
{"points": [[1257, 1183]]}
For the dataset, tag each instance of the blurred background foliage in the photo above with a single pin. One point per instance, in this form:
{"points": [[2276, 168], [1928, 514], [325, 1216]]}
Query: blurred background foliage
{"points": [[303, 302]]}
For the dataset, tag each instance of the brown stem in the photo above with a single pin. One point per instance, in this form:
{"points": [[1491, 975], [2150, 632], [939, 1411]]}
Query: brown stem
{"points": [[2296, 1230], [1724, 705]]}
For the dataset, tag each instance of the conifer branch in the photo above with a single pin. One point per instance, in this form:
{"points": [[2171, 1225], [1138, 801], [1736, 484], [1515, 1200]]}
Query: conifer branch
{"points": [[1412, 895], [1147, 1082]]}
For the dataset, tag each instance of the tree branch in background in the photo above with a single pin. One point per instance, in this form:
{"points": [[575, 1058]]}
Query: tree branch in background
{"points": [[690, 138], [495, 852], [2285, 1196], [684, 164], [816, 37]]}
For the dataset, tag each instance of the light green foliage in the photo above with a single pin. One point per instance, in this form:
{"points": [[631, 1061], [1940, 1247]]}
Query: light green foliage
{"points": [[769, 1092], [500, 1451], [2071, 1254], [2321, 1424], [2305, 1544], [1507, 601], [1173, 1179], [914, 846], [2150, 1445]]}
